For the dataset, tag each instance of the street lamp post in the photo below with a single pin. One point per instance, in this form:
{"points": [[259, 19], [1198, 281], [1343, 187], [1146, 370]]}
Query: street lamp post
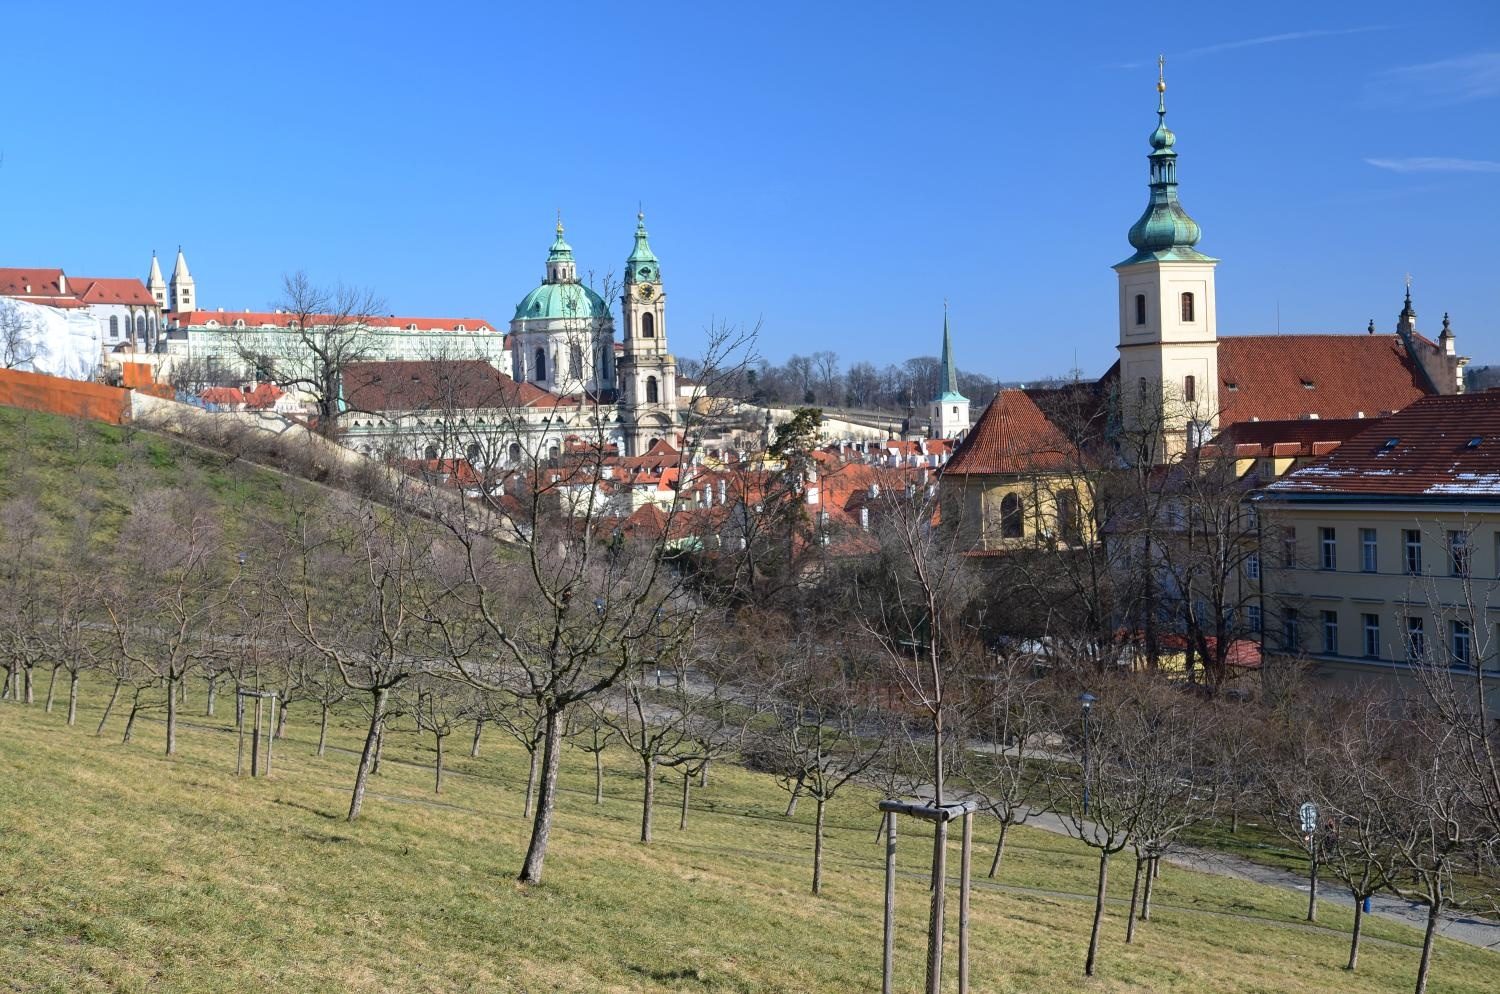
{"points": [[1086, 701], [1308, 815]]}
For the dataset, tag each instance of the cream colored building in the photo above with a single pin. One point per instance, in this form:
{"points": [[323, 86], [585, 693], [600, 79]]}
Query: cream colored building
{"points": [[1385, 555]]}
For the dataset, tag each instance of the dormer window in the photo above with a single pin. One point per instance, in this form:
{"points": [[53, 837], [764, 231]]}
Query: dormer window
{"points": [[239, 322], [1308, 384], [1231, 386], [1187, 308], [462, 328], [411, 327]]}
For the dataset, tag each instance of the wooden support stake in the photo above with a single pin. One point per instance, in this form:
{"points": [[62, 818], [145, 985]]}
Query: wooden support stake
{"points": [[963, 904], [890, 901]]}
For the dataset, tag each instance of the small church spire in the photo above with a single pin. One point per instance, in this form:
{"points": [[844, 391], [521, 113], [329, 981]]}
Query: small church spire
{"points": [[1164, 231]]}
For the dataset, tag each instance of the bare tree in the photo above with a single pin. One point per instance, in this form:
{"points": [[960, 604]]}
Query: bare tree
{"points": [[589, 730], [19, 347], [325, 331]]}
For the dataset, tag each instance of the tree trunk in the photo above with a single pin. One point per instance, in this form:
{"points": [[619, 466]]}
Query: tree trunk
{"points": [[323, 731], [281, 722], [818, 848], [703, 774], [791, 805], [1359, 920], [1312, 891], [10, 672], [26, 673], [212, 697], [172, 714], [1146, 895], [437, 786], [546, 802], [52, 687], [135, 709], [379, 748], [648, 799], [72, 698], [367, 756], [113, 696], [999, 849], [1234, 819], [1426, 961], [939, 898], [474, 748], [598, 777], [1088, 965], [687, 786], [530, 784], [1135, 890]]}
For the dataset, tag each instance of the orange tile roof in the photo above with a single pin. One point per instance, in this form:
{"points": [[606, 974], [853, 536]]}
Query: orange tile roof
{"points": [[95, 290], [418, 385], [1287, 377], [1012, 436], [1438, 447]]}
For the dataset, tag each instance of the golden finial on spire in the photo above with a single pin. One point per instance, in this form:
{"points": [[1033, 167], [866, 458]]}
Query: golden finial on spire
{"points": [[559, 221], [1161, 74]]}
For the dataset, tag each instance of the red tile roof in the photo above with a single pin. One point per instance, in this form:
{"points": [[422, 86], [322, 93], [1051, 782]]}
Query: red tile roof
{"points": [[94, 290], [441, 385], [254, 319], [1438, 447], [1287, 377], [1012, 436]]}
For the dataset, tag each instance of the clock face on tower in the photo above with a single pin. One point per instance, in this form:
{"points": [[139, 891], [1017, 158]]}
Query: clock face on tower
{"points": [[646, 292]]}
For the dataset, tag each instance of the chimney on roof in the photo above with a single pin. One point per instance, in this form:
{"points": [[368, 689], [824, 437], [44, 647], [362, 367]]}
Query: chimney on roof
{"points": [[62, 283]]}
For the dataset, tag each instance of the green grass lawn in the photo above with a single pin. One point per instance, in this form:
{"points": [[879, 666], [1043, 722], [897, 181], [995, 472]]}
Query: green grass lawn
{"points": [[123, 870]]}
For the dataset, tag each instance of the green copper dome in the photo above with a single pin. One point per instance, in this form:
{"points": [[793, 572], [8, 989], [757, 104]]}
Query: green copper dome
{"points": [[561, 300], [642, 265], [560, 251], [1164, 232]]}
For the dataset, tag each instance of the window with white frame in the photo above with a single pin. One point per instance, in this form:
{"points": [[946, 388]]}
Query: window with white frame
{"points": [[1458, 553], [1252, 617], [1368, 550], [1412, 542], [1328, 549], [1289, 623], [1331, 632], [1416, 639], [1371, 635], [1252, 566], [1461, 636]]}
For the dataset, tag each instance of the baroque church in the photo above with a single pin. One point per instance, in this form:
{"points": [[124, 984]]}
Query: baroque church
{"points": [[563, 342]]}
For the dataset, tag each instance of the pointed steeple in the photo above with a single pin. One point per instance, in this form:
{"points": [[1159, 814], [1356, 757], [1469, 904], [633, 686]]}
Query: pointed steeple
{"points": [[948, 387], [1164, 231], [184, 291], [560, 265], [1406, 321], [642, 265], [155, 285], [180, 268]]}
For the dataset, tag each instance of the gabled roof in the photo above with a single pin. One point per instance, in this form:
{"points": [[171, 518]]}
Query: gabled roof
{"points": [[95, 290], [1287, 377], [462, 384], [1012, 436], [1439, 447]]}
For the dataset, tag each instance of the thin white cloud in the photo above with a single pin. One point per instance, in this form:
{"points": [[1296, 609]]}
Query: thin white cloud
{"points": [[1225, 46], [1276, 39], [1449, 81], [1434, 164]]}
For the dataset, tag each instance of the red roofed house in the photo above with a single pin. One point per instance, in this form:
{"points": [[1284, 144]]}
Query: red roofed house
{"points": [[1389, 547], [129, 317], [1011, 483]]}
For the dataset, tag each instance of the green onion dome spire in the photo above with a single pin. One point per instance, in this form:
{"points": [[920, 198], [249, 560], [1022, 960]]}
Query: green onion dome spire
{"points": [[561, 251], [642, 265], [1164, 231]]}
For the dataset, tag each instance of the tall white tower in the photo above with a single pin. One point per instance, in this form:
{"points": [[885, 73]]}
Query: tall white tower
{"points": [[156, 285], [184, 295], [648, 372], [1169, 346], [948, 412]]}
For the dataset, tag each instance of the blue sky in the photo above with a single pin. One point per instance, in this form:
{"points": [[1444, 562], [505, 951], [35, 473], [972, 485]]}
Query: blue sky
{"points": [[833, 171]]}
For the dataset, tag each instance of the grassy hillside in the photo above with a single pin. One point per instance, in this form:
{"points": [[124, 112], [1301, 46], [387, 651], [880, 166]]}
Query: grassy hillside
{"points": [[122, 870]]}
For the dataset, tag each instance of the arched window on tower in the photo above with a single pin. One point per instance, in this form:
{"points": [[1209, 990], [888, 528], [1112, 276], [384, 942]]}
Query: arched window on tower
{"points": [[1187, 307], [114, 326], [540, 372], [575, 361], [648, 325], [514, 452], [1069, 523], [651, 391], [140, 326], [1189, 388], [1140, 308], [1012, 522]]}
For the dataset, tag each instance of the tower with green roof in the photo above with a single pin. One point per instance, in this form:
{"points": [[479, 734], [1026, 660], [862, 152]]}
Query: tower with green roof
{"points": [[948, 412], [1169, 347], [647, 374], [562, 334]]}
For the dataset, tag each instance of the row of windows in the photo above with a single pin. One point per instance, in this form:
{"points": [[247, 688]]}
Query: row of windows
{"points": [[575, 363], [648, 325], [1457, 545], [1013, 516], [1185, 307], [1460, 641], [140, 325]]}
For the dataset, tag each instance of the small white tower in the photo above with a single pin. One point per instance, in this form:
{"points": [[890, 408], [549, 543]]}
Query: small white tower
{"points": [[948, 412], [156, 285], [184, 294]]}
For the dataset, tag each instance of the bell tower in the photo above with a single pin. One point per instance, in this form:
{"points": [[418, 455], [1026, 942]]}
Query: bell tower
{"points": [[1169, 346], [184, 292], [647, 372]]}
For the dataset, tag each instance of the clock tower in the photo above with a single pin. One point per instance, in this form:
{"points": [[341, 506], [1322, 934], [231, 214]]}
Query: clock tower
{"points": [[647, 372]]}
